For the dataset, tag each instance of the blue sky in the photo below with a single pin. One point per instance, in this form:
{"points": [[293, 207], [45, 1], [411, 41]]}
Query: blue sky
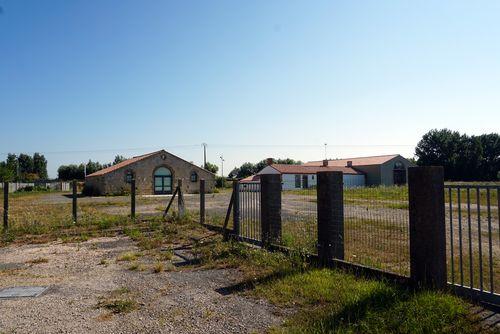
{"points": [[86, 80]]}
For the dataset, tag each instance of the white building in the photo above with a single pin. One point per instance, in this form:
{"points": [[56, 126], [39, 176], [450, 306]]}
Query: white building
{"points": [[303, 177]]}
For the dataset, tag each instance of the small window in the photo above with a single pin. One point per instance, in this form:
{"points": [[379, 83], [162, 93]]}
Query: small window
{"points": [[297, 181], [129, 176], [399, 165], [194, 177]]}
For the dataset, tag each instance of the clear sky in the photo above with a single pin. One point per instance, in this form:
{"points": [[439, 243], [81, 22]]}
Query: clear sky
{"points": [[88, 79]]}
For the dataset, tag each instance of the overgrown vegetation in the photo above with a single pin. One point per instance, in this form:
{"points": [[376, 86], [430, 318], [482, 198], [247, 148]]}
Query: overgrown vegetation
{"points": [[333, 301]]}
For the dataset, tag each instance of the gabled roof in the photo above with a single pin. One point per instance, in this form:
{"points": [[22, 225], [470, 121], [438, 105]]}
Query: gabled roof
{"points": [[122, 164], [362, 161], [303, 169], [136, 159]]}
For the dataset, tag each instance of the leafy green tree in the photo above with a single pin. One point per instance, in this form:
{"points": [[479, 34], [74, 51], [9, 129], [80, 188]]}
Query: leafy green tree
{"points": [[25, 164], [118, 159], [40, 166], [211, 167], [6, 174], [71, 172], [464, 158], [249, 168]]}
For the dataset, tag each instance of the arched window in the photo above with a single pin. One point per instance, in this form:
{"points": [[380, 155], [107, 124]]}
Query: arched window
{"points": [[162, 181], [399, 165], [194, 177]]}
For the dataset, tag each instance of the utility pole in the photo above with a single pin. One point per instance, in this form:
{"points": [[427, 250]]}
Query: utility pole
{"points": [[222, 165], [204, 155]]}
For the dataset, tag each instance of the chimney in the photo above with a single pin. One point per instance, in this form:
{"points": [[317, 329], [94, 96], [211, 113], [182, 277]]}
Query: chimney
{"points": [[325, 163], [349, 163], [269, 161]]}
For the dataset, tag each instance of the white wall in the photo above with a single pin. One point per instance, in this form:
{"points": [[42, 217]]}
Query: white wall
{"points": [[288, 181]]}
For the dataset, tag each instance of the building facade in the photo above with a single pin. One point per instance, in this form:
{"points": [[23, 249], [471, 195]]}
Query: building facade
{"points": [[155, 173], [384, 170]]}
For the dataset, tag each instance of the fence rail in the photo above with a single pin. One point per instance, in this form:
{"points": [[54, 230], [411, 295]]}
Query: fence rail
{"points": [[473, 238]]}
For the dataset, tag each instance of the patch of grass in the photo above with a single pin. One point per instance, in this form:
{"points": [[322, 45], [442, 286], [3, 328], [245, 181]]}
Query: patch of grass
{"points": [[158, 267], [117, 306], [38, 260], [332, 301], [134, 267], [128, 256], [103, 262]]}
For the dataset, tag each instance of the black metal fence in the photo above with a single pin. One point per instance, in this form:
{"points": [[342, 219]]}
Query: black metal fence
{"points": [[250, 212], [473, 238]]}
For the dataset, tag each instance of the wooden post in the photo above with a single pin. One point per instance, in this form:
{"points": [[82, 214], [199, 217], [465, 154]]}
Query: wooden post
{"points": [[427, 226], [132, 198], [236, 208], [330, 195], [180, 198], [202, 201], [74, 201], [270, 212], [5, 205]]}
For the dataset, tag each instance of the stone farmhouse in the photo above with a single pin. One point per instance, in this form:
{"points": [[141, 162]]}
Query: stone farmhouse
{"points": [[155, 173]]}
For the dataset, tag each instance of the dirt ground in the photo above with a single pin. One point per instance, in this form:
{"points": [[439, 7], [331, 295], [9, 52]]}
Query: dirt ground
{"points": [[81, 275]]}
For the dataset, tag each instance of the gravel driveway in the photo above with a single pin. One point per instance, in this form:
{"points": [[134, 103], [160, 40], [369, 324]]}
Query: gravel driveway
{"points": [[177, 301]]}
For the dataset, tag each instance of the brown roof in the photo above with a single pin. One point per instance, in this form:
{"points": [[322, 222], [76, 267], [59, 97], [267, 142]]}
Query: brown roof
{"points": [[303, 169], [362, 161], [250, 179], [122, 164]]}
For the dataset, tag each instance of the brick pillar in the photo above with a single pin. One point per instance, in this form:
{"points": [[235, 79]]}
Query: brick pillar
{"points": [[270, 201], [427, 226], [330, 194]]}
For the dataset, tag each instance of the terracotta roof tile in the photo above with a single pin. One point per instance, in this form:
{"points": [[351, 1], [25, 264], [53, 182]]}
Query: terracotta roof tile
{"points": [[304, 169], [362, 161], [121, 164]]}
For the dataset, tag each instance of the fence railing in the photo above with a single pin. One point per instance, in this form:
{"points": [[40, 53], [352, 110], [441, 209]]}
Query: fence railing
{"points": [[473, 237]]}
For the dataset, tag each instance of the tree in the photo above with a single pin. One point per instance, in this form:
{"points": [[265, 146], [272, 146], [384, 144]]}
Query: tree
{"points": [[118, 159], [211, 167], [71, 172], [25, 164], [249, 168], [6, 174], [464, 158], [40, 166]]}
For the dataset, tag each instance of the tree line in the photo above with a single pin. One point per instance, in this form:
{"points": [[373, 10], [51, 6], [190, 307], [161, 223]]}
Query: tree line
{"points": [[249, 168], [464, 158], [78, 171], [23, 168]]}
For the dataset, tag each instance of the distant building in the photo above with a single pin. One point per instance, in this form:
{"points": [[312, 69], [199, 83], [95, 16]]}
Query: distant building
{"points": [[379, 170], [154, 173], [303, 177]]}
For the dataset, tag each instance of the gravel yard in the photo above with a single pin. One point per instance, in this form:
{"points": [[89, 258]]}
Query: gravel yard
{"points": [[81, 275]]}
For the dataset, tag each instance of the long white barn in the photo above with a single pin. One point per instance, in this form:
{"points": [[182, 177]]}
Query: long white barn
{"points": [[303, 177]]}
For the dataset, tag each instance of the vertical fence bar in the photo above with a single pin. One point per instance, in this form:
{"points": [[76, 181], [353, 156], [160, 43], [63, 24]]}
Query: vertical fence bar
{"points": [[452, 259], [478, 204], [471, 267], [180, 198], [5, 205], [236, 208], [74, 201], [270, 211], [488, 205], [132, 198], [427, 226], [202, 201], [330, 198]]}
